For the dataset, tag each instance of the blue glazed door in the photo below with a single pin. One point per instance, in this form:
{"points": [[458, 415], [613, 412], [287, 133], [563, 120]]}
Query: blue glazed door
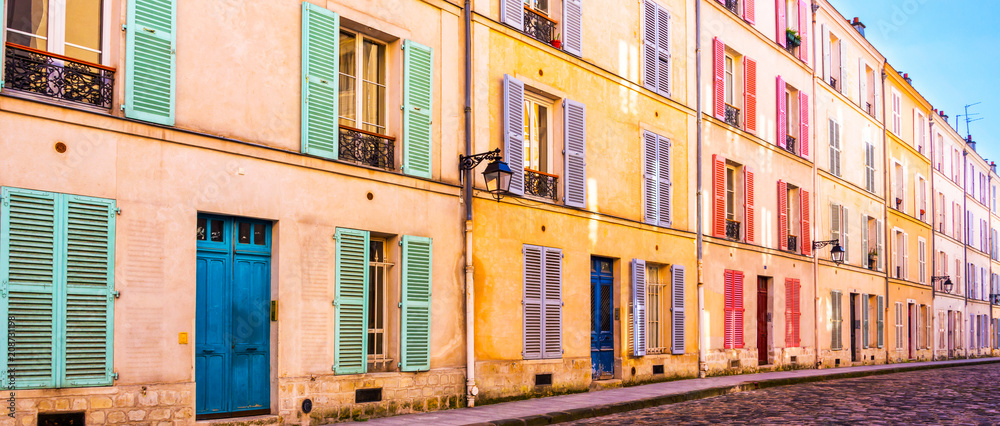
{"points": [[602, 337], [232, 338]]}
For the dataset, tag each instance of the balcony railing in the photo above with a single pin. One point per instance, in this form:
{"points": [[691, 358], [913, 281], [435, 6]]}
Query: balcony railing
{"points": [[42, 73], [732, 116], [539, 26], [868, 107], [790, 144], [793, 243], [833, 82], [541, 184], [732, 230], [733, 6], [370, 149]]}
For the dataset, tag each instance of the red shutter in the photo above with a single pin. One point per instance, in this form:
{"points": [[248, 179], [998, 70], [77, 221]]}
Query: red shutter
{"points": [[719, 196], [738, 309], [781, 25], [750, 94], [789, 298], [782, 116], [748, 11], [804, 124], [796, 313], [729, 309], [804, 21], [750, 212], [782, 215], [719, 61], [806, 229]]}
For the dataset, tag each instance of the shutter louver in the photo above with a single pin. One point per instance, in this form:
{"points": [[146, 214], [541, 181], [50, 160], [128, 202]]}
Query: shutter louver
{"points": [[804, 106], [835, 222], [719, 73], [751, 211], [804, 20], [781, 23], [418, 104], [663, 49], [320, 81], [738, 309], [552, 343], [351, 301], [865, 330], [806, 227], [845, 240], [750, 94], [513, 128], [782, 123], [650, 178], [150, 60], [533, 301], [649, 54], [719, 196], [512, 13], [639, 307], [880, 317], [729, 309], [665, 191], [749, 11], [827, 62], [836, 321], [863, 86], [881, 244], [573, 27], [789, 300], [782, 215], [415, 304], [678, 320], [576, 159]]}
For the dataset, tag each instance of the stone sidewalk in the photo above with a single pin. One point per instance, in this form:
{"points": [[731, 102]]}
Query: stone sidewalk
{"points": [[593, 404]]}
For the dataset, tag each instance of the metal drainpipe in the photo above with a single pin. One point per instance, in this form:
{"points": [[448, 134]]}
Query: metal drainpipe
{"points": [[934, 258], [814, 7], [470, 344], [989, 210], [965, 240], [702, 350], [885, 220]]}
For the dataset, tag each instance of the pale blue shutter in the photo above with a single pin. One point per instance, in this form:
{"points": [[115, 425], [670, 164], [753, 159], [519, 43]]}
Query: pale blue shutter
{"points": [[89, 292], [512, 13], [351, 302], [418, 101], [665, 192], [533, 301], [320, 80], [415, 354], [650, 187], [29, 238], [880, 315], [639, 307], [151, 60], [552, 329], [678, 320], [575, 145], [649, 52], [573, 26], [513, 130], [865, 331]]}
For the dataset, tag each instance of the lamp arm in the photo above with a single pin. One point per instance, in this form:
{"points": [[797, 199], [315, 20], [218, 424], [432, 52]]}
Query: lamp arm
{"points": [[821, 244], [469, 162]]}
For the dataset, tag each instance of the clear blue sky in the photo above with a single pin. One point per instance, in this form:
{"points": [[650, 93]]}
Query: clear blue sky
{"points": [[949, 48]]}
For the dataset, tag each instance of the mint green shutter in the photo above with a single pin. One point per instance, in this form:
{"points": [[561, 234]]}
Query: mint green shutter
{"points": [[415, 352], [150, 60], [418, 99], [320, 56], [88, 303], [29, 223], [351, 303]]}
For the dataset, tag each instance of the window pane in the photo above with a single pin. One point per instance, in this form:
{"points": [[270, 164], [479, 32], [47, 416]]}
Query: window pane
{"points": [[729, 80], [83, 30], [29, 22], [244, 233], [374, 65], [259, 235], [348, 82], [202, 231], [373, 103], [216, 231]]}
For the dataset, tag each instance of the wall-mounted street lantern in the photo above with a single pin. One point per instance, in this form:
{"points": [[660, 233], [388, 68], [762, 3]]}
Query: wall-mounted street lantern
{"points": [[946, 284], [497, 173], [836, 253]]}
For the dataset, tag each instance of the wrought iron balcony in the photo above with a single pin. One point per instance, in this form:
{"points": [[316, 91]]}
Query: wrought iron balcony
{"points": [[833, 82], [732, 116], [732, 230], [868, 107], [733, 6], [995, 299], [793, 243], [541, 184], [790, 144], [42, 73], [539, 26], [370, 149]]}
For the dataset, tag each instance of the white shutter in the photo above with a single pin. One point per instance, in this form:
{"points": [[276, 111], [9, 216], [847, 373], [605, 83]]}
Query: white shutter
{"points": [[896, 262], [552, 337], [639, 307], [922, 257], [827, 63], [513, 129], [665, 190], [845, 232], [835, 222], [575, 145], [906, 256], [865, 330], [840, 71], [677, 309], [573, 26], [880, 318], [512, 13], [651, 199], [862, 85], [864, 241], [649, 54], [880, 237], [533, 297]]}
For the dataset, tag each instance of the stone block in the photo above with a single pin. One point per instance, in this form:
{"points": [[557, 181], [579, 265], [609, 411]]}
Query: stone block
{"points": [[185, 398], [117, 417], [79, 404], [96, 418], [432, 380], [23, 404], [165, 424], [150, 399], [62, 404], [168, 397], [125, 400], [159, 414], [101, 402], [27, 421], [45, 405], [136, 415], [186, 413]]}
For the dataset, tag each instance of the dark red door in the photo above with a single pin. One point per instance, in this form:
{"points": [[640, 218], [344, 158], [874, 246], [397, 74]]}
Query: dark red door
{"points": [[762, 324]]}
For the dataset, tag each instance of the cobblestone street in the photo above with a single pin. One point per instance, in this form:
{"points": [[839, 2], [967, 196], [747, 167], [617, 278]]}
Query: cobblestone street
{"points": [[959, 395]]}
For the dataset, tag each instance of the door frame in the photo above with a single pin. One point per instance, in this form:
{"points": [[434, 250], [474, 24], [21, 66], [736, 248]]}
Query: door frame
{"points": [[855, 327], [594, 321], [764, 327]]}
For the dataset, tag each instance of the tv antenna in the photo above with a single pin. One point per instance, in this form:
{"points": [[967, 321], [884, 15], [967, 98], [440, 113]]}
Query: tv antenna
{"points": [[969, 118]]}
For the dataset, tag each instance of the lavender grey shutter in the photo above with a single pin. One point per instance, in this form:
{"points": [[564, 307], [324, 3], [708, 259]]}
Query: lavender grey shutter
{"points": [[513, 130], [677, 320], [552, 310], [649, 177], [639, 306], [573, 26], [865, 332], [649, 55], [663, 51], [512, 13], [880, 315], [533, 287], [575, 146], [665, 190]]}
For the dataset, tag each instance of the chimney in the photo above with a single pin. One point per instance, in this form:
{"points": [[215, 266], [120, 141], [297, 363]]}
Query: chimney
{"points": [[906, 77], [942, 114], [970, 142], [993, 166], [858, 26]]}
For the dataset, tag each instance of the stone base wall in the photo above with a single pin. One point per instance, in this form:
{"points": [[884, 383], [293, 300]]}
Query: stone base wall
{"points": [[333, 397], [158, 405], [719, 362], [674, 367], [507, 380]]}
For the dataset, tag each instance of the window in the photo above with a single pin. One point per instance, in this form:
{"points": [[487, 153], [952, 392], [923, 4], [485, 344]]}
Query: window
{"points": [[656, 48], [899, 186], [657, 189], [870, 167], [941, 212], [656, 292], [919, 130], [897, 121], [792, 121], [730, 193], [727, 84], [542, 302], [540, 6], [730, 88], [900, 335], [538, 19], [732, 209], [733, 309], [835, 148], [899, 254], [921, 199], [872, 243], [362, 83], [922, 257], [940, 153], [60, 265], [840, 228], [378, 305], [833, 57], [866, 99], [664, 293], [537, 133], [793, 217]]}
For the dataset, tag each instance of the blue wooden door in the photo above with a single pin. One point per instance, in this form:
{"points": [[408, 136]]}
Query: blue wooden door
{"points": [[602, 336], [232, 338]]}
